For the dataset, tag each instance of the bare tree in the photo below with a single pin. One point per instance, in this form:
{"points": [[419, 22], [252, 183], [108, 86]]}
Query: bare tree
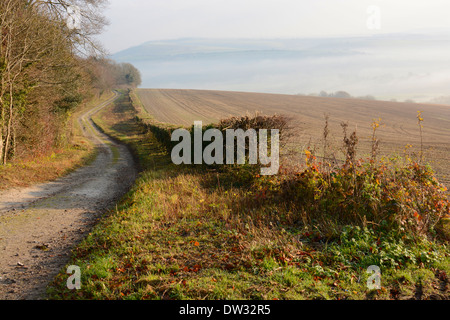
{"points": [[82, 19]]}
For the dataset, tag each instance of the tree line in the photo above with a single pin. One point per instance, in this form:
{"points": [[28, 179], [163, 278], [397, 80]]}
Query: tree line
{"points": [[343, 94], [48, 67]]}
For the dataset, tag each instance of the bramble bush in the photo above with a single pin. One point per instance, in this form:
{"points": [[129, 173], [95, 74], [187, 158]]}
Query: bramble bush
{"points": [[385, 194]]}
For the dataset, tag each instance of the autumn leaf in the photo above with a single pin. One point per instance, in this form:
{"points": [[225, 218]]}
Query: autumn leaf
{"points": [[418, 216], [196, 268]]}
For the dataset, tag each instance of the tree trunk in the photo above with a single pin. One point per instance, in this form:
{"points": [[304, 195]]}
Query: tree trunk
{"points": [[2, 119], [1, 143], [9, 127], [13, 142]]}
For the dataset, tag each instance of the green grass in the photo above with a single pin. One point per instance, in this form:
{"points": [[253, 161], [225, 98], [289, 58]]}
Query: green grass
{"points": [[195, 233]]}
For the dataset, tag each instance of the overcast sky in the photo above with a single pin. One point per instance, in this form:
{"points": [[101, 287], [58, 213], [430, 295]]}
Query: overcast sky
{"points": [[133, 22]]}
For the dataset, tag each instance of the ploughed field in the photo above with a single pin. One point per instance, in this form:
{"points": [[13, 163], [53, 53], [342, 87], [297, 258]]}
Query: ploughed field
{"points": [[399, 132]]}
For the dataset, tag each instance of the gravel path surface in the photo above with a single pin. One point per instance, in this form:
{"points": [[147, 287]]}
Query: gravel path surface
{"points": [[39, 225]]}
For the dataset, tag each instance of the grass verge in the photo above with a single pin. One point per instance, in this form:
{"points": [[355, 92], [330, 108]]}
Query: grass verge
{"points": [[195, 233]]}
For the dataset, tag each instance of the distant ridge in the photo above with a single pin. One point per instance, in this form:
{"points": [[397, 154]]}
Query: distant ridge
{"points": [[192, 46], [400, 66]]}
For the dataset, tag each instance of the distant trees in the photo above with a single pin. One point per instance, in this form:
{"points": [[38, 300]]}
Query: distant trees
{"points": [[344, 95], [46, 73], [338, 94], [106, 73], [126, 74], [441, 100], [367, 97], [341, 94]]}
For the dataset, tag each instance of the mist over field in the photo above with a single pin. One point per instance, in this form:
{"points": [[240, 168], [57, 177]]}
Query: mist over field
{"points": [[396, 66]]}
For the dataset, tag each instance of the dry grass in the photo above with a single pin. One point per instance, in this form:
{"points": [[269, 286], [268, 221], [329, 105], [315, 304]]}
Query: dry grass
{"points": [[46, 168]]}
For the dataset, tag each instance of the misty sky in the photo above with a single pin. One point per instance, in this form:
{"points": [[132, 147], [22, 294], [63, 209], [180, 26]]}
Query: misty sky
{"points": [[133, 22]]}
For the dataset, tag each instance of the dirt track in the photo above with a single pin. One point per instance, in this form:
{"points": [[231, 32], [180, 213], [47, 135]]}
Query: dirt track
{"points": [[39, 225]]}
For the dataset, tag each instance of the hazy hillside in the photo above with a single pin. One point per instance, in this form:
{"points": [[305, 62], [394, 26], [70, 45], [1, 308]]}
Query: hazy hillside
{"points": [[396, 66]]}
